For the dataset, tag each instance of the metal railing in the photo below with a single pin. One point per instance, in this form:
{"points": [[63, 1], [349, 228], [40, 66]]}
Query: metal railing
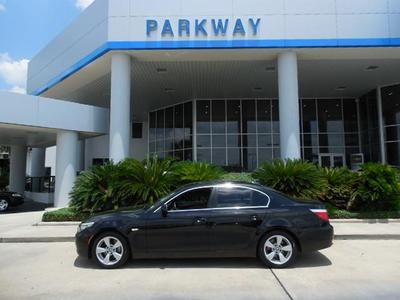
{"points": [[40, 184]]}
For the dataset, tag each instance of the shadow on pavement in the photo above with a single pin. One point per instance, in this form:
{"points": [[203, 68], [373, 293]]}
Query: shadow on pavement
{"points": [[28, 206], [310, 260]]}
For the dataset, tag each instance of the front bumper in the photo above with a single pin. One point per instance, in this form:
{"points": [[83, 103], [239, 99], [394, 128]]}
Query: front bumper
{"points": [[316, 238], [82, 243]]}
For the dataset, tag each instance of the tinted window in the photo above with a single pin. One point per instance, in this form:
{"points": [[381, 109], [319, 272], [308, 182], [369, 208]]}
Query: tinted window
{"points": [[195, 199], [238, 197]]}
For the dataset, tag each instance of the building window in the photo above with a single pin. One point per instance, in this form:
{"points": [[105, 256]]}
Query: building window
{"points": [[137, 130], [329, 126], [391, 122], [240, 135], [171, 132]]}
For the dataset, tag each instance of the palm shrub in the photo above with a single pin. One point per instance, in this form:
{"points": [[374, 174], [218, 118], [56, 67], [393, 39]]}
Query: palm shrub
{"points": [[99, 188], [150, 179], [188, 171], [296, 178], [341, 184], [377, 189], [239, 177]]}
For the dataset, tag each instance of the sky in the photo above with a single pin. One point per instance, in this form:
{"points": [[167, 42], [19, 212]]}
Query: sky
{"points": [[26, 27]]}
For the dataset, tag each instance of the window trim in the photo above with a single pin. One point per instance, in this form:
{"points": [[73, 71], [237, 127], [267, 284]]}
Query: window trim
{"points": [[220, 185]]}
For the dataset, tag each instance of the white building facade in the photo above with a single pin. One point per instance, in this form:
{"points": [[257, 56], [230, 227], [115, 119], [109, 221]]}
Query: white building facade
{"points": [[232, 82]]}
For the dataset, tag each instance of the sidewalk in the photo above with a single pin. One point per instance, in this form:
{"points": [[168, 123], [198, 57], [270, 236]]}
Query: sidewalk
{"points": [[27, 227]]}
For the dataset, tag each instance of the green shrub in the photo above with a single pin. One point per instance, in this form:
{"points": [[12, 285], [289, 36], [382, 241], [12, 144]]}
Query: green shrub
{"points": [[188, 172], [99, 188], [238, 177], [296, 178], [64, 215], [149, 180], [341, 184], [377, 189]]}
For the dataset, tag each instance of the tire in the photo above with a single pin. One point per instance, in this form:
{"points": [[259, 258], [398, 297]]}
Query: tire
{"points": [[277, 249], [3, 204], [110, 250]]}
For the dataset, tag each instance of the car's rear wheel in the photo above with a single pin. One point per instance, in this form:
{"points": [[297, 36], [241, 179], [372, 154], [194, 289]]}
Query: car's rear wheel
{"points": [[3, 204], [110, 250], [277, 249]]}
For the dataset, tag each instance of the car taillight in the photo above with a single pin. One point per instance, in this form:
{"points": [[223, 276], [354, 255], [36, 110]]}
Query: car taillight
{"points": [[321, 213]]}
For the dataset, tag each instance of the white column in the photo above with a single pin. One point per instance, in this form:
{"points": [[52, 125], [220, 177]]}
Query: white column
{"points": [[38, 156], [120, 107], [381, 126], [289, 105], [18, 169], [66, 166]]}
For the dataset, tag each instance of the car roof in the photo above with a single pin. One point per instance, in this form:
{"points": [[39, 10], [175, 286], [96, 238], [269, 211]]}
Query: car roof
{"points": [[222, 182]]}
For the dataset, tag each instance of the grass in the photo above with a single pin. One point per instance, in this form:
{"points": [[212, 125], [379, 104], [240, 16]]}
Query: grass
{"points": [[336, 213], [68, 214]]}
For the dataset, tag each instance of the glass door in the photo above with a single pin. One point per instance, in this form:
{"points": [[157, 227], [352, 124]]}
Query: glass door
{"points": [[332, 160]]}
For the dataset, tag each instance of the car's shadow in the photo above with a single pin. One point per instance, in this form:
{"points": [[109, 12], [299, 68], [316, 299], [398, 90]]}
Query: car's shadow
{"points": [[309, 260]]}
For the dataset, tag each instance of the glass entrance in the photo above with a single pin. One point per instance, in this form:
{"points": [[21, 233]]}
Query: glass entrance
{"points": [[332, 160]]}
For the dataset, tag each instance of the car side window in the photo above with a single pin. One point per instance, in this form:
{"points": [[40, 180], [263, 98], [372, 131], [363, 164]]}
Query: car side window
{"points": [[237, 197], [194, 199]]}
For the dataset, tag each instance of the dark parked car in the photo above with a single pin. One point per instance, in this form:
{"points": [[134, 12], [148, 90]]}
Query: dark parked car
{"points": [[209, 220], [10, 199]]}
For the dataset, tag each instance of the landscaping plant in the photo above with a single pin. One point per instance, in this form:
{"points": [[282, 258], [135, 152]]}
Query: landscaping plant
{"points": [[341, 184], [188, 172], [296, 178], [149, 180], [99, 188], [377, 189]]}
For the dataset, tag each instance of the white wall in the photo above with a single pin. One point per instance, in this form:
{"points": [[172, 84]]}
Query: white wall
{"points": [[98, 147], [285, 20], [51, 113]]}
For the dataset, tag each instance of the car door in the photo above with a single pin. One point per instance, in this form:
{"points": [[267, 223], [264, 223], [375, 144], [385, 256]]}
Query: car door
{"points": [[237, 213], [185, 228]]}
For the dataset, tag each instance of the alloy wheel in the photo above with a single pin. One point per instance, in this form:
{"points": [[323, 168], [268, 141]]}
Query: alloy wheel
{"points": [[3, 204], [278, 249], [109, 250]]}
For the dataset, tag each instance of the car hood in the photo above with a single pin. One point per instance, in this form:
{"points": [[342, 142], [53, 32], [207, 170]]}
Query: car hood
{"points": [[117, 216]]}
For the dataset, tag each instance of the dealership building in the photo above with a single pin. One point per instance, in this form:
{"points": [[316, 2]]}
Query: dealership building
{"points": [[231, 82]]}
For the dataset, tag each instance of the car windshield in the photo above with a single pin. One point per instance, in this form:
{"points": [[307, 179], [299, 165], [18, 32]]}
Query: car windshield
{"points": [[160, 202]]}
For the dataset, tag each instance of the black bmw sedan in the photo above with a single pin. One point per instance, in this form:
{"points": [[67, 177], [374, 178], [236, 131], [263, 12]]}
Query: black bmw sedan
{"points": [[211, 219], [10, 199]]}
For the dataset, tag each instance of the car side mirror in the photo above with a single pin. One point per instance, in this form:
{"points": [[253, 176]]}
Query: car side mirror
{"points": [[164, 210]]}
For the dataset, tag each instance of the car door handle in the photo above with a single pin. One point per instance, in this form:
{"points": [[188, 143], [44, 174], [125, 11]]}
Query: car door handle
{"points": [[254, 218], [200, 221]]}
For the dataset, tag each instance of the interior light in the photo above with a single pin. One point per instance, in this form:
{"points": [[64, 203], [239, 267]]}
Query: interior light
{"points": [[340, 88]]}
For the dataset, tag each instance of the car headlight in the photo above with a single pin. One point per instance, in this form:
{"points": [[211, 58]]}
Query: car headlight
{"points": [[84, 226], [16, 195]]}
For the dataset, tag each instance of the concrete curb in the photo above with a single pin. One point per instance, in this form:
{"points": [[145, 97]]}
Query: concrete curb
{"points": [[367, 237], [333, 221], [60, 239], [57, 224], [366, 221]]}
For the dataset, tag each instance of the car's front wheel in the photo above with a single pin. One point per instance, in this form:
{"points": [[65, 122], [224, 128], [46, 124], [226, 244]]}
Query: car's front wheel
{"points": [[3, 204], [277, 249], [110, 250]]}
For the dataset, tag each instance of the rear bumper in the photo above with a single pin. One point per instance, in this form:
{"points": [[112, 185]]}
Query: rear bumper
{"points": [[316, 238], [16, 201]]}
